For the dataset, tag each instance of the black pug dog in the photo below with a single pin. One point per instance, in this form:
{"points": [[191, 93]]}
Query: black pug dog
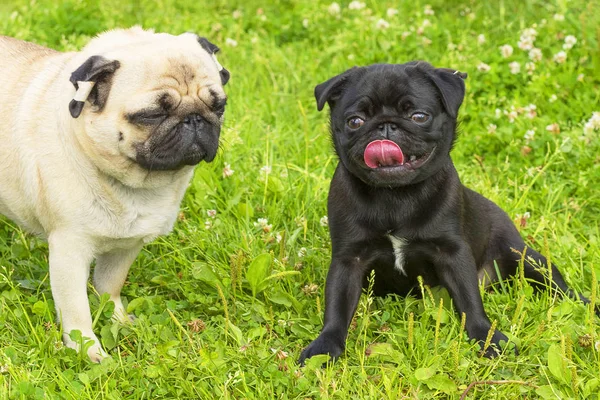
{"points": [[397, 206]]}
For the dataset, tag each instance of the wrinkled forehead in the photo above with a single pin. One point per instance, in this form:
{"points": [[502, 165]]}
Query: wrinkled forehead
{"points": [[179, 58], [169, 80], [392, 86]]}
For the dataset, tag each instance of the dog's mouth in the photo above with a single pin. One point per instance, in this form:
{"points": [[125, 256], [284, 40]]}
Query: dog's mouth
{"points": [[386, 154]]}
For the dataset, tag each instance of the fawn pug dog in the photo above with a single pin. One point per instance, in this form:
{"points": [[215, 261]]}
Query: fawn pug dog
{"points": [[397, 206], [98, 147]]}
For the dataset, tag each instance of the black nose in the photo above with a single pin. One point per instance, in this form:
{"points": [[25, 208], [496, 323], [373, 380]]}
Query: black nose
{"points": [[391, 126], [387, 128], [192, 119]]}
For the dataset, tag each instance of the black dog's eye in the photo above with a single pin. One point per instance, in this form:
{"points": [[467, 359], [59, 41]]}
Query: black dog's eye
{"points": [[419, 117], [355, 122]]}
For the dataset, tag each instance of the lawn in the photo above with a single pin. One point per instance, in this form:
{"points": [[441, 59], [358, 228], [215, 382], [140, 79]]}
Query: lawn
{"points": [[225, 303]]}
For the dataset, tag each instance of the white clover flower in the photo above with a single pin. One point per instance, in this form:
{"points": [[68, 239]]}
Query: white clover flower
{"points": [[231, 42], [529, 135], [530, 32], [310, 289], [559, 17], [512, 115], [497, 113], [302, 252], [426, 23], [391, 12], [554, 128], [527, 38], [553, 98], [580, 77], [278, 237], [227, 171], [281, 355], [428, 10], [491, 128], [521, 220], [593, 124], [426, 41], [324, 221], [207, 224], [535, 54], [525, 44], [382, 24], [263, 223], [483, 67], [514, 67], [588, 129], [282, 323], [266, 170], [569, 42], [481, 39], [236, 14], [334, 8], [506, 50], [560, 57], [530, 111], [211, 213], [530, 67], [356, 5], [405, 34]]}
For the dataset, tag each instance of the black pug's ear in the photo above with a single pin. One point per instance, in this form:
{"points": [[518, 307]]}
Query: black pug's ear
{"points": [[92, 82], [213, 49], [331, 90], [451, 85]]}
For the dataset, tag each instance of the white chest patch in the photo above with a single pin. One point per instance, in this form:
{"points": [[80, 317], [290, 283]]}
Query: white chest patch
{"points": [[398, 244]]}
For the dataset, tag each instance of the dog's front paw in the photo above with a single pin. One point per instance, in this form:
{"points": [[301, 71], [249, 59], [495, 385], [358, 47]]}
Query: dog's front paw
{"points": [[123, 317], [120, 312], [95, 351], [495, 347], [324, 344]]}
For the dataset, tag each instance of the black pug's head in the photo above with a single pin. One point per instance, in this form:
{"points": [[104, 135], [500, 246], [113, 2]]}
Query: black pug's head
{"points": [[393, 124]]}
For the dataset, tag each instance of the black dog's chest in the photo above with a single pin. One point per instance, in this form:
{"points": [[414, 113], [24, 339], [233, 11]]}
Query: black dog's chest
{"points": [[398, 262]]}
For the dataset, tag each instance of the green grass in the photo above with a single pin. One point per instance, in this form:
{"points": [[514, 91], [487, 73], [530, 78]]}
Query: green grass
{"points": [[209, 327]]}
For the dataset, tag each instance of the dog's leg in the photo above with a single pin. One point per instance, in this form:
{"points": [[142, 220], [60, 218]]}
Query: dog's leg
{"points": [[458, 274], [110, 274], [343, 288], [70, 259], [535, 268]]}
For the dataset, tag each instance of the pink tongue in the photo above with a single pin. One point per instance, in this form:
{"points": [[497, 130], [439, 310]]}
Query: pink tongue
{"points": [[383, 153]]}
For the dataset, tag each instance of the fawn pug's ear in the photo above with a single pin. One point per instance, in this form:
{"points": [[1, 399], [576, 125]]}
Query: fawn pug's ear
{"points": [[92, 80], [213, 49]]}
